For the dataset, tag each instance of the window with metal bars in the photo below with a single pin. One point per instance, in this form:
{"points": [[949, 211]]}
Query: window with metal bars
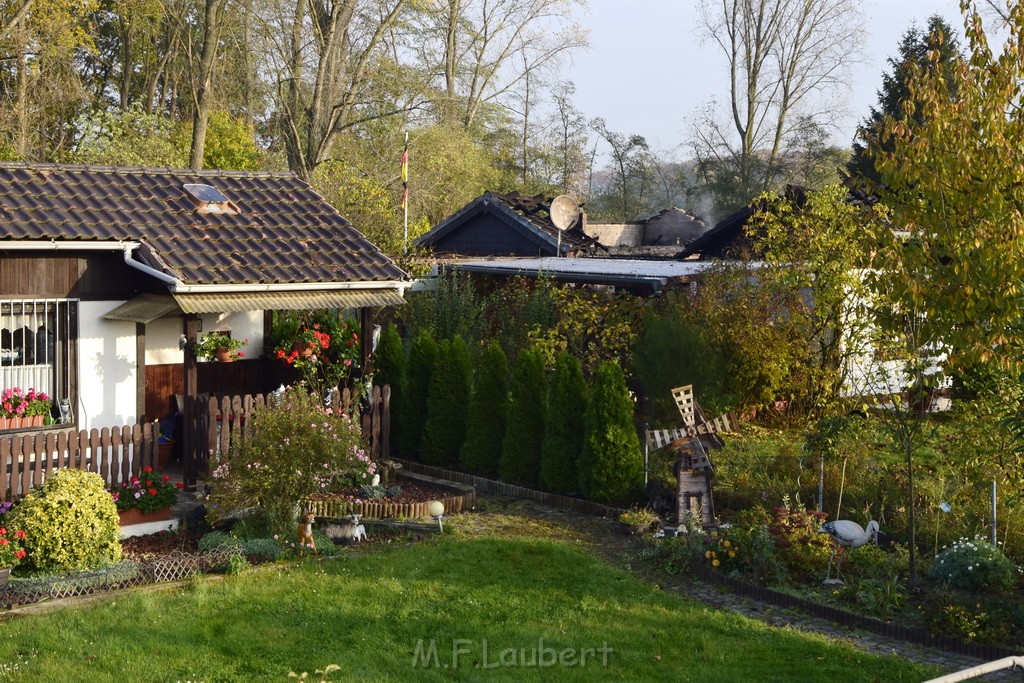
{"points": [[37, 349]]}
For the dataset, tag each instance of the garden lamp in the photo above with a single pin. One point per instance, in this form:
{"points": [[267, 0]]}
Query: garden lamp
{"points": [[436, 510]]}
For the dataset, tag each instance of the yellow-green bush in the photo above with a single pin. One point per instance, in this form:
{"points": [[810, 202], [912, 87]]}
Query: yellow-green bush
{"points": [[70, 522]]}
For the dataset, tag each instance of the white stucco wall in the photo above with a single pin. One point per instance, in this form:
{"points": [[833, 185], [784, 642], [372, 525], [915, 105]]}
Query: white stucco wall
{"points": [[106, 368], [162, 335], [107, 350]]}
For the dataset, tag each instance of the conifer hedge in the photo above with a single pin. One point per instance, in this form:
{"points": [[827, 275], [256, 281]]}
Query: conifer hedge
{"points": [[520, 453], [389, 369], [488, 414], [422, 356], [611, 463], [444, 430], [568, 396]]}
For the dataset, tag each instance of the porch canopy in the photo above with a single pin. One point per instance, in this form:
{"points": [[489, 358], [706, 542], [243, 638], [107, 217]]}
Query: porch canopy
{"points": [[146, 308]]}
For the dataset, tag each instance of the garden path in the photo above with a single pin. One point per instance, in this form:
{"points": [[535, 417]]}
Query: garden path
{"points": [[500, 515]]}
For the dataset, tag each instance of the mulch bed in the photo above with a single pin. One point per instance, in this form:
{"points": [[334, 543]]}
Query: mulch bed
{"points": [[142, 548]]}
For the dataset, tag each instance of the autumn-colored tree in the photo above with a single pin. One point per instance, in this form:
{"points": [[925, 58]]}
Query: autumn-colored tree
{"points": [[563, 431], [955, 184], [488, 414]]}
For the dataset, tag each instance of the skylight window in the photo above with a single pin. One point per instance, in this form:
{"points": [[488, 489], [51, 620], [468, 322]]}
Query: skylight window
{"points": [[209, 199]]}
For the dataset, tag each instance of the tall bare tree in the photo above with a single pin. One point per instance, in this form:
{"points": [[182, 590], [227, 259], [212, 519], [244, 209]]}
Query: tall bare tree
{"points": [[490, 47], [784, 57]]}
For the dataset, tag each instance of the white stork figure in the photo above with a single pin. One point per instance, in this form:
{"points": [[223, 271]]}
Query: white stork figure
{"points": [[847, 534]]}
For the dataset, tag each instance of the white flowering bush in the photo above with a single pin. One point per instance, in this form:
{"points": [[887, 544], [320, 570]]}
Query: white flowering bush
{"points": [[974, 563], [296, 448]]}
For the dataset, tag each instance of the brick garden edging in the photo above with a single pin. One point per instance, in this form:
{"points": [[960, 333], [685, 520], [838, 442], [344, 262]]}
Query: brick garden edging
{"points": [[884, 628], [501, 488]]}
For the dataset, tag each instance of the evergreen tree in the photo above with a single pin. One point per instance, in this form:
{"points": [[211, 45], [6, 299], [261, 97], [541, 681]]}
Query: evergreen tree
{"points": [[422, 357], [488, 414], [563, 431], [611, 464], [520, 453], [445, 428], [914, 48], [389, 366]]}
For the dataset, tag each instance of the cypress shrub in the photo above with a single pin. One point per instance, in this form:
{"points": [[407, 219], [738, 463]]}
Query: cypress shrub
{"points": [[563, 434], [444, 430], [422, 357], [389, 366], [611, 463], [488, 414], [520, 452]]}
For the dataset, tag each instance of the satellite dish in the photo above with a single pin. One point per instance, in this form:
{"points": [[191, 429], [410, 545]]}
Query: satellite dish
{"points": [[564, 211]]}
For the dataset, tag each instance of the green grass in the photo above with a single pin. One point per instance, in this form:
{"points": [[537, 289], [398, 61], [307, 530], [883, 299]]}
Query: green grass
{"points": [[366, 613]]}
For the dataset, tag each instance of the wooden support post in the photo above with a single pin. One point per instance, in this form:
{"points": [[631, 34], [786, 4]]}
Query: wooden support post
{"points": [[190, 437]]}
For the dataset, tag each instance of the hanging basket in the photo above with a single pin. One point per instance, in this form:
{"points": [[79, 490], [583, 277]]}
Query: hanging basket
{"points": [[304, 350]]}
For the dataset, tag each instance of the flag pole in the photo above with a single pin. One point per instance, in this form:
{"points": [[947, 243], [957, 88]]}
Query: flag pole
{"points": [[405, 194]]}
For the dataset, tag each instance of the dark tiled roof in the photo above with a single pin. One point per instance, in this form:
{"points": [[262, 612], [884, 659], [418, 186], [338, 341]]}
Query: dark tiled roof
{"points": [[283, 231], [531, 213]]}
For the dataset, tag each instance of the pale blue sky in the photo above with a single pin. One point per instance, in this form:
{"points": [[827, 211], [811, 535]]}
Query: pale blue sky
{"points": [[646, 71]]}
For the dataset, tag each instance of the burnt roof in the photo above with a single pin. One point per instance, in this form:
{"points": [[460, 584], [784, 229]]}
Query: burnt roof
{"points": [[727, 237], [531, 214], [273, 229]]}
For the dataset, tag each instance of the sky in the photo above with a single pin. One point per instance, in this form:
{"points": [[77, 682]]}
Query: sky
{"points": [[647, 73]]}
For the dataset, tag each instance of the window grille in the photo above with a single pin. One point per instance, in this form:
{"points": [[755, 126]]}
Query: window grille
{"points": [[36, 342]]}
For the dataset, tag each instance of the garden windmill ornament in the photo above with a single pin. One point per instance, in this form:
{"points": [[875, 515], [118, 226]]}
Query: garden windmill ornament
{"points": [[847, 534]]}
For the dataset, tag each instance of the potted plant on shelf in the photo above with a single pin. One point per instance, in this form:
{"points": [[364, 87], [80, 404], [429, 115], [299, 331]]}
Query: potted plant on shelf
{"points": [[321, 346], [219, 346], [147, 498], [19, 408], [12, 550]]}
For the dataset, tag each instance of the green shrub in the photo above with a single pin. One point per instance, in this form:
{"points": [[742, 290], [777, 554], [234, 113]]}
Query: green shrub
{"points": [[487, 418], [444, 431], [673, 352], [563, 438], [295, 449], [389, 369], [802, 548], [973, 564], [422, 357], [70, 522], [216, 539], [520, 453], [611, 463], [262, 547]]}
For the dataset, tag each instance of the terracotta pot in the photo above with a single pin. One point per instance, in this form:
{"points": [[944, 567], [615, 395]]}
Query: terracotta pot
{"points": [[224, 354], [302, 349], [136, 516]]}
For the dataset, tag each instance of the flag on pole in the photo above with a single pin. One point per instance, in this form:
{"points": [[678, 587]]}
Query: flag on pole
{"points": [[405, 175]]}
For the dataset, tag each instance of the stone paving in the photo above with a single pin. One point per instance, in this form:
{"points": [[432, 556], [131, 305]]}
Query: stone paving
{"points": [[618, 549]]}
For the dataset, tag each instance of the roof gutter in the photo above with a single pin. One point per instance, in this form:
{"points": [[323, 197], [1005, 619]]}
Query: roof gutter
{"points": [[176, 286]]}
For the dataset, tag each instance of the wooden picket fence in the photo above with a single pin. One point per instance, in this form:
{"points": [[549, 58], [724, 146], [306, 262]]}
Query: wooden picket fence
{"points": [[115, 453], [118, 453]]}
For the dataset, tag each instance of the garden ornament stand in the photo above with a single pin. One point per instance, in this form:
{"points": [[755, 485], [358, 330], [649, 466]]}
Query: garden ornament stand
{"points": [[846, 534]]}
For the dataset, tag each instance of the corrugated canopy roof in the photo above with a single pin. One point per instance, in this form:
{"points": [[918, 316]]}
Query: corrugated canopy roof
{"points": [[146, 308]]}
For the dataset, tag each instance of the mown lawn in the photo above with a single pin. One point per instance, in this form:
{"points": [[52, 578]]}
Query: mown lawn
{"points": [[367, 614]]}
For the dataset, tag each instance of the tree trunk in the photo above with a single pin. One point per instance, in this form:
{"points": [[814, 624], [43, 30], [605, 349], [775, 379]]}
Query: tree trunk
{"points": [[211, 35]]}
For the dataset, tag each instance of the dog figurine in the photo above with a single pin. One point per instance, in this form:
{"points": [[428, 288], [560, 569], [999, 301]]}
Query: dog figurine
{"points": [[305, 533]]}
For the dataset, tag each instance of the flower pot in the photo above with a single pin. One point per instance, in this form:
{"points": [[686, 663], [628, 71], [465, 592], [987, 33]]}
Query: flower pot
{"points": [[224, 354], [302, 349], [5, 577], [136, 516]]}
